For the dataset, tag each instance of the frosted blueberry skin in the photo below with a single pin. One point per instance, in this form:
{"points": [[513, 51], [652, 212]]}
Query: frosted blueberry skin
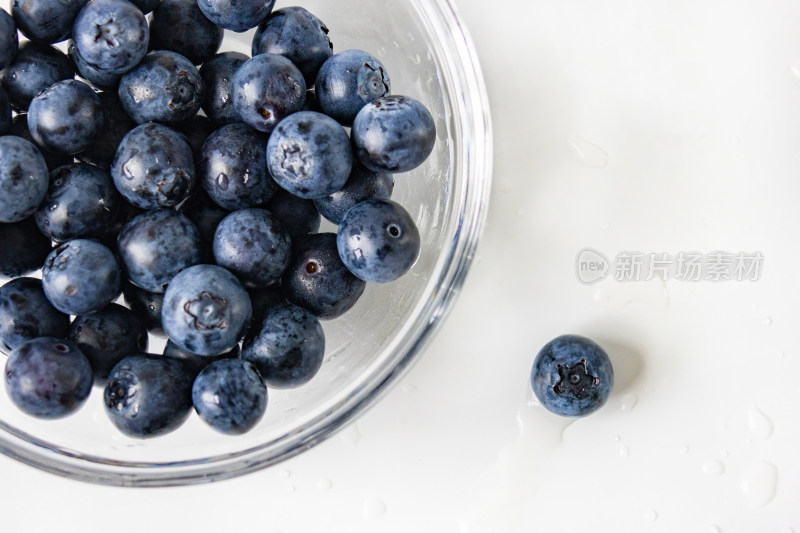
{"points": [[217, 74], [81, 276], [180, 26], [230, 396], [572, 376], [287, 346], [5, 113], [26, 314], [299, 36], [154, 167], [116, 125], [100, 78], [233, 168], [195, 363], [111, 36], [46, 21], [66, 117], [393, 134], [148, 395], [348, 81], [19, 128], [298, 215], [309, 155], [363, 184], [36, 67], [107, 336], [147, 306], [378, 240], [236, 15], [206, 310], [164, 87], [9, 40], [317, 280], [29, 245], [81, 202], [206, 216], [23, 179], [267, 89]]}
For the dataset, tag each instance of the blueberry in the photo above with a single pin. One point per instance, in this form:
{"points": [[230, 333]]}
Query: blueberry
{"points": [[19, 127], [233, 167], [378, 240], [148, 395], [154, 167], [100, 78], [107, 336], [37, 67], [287, 347], [81, 276], [236, 15], [23, 179], [9, 40], [230, 396], [164, 87], [180, 26], [363, 184], [309, 155], [267, 89], [195, 363], [206, 310], [252, 244], [66, 117], [317, 280], [116, 124], [206, 216], [80, 202], [393, 134], [5, 113], [46, 21], [348, 81], [147, 306], [30, 248], [156, 245], [296, 34], [26, 314], [572, 376], [217, 74], [111, 36], [298, 215], [263, 299]]}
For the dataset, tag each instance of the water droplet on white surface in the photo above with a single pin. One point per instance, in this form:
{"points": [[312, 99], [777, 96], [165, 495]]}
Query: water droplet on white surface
{"points": [[604, 226], [351, 435], [795, 68], [651, 515], [285, 474], [620, 295], [766, 321], [787, 530], [759, 483], [760, 425], [587, 153], [712, 529], [624, 451], [713, 468], [616, 438], [726, 454], [292, 488], [783, 354], [505, 185], [684, 449], [374, 508], [324, 484], [521, 212], [628, 402]]}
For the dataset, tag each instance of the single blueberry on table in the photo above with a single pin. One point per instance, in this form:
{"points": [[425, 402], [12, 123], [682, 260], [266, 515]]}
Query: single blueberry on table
{"points": [[267, 89], [19, 128], [217, 74], [100, 78], [155, 246], [9, 40], [363, 184], [29, 245], [298, 215], [206, 310], [111, 36], [195, 363], [26, 314], [572, 376], [46, 21], [48, 377], [116, 125], [348, 81], [81, 276], [5, 113], [287, 346], [230, 396], [206, 216], [148, 395], [180, 26], [37, 67], [393, 134], [236, 15], [66, 117], [378, 240], [147, 306], [23, 179]]}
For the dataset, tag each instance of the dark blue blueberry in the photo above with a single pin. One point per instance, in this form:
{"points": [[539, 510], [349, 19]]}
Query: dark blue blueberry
{"points": [[180, 26], [296, 34], [30, 248], [46, 21], [196, 129], [9, 40], [81, 276], [252, 244], [155, 246], [66, 117], [206, 216], [102, 79], [230, 396], [23, 179], [164, 87], [5, 113], [378, 240], [287, 347], [298, 215], [363, 184], [206, 310], [81, 202], [148, 395], [111, 36], [19, 127], [107, 336], [48, 378], [233, 167], [572, 376], [195, 363], [264, 298], [348, 81], [267, 89], [147, 306], [217, 74], [154, 167], [236, 15], [309, 155], [146, 6], [393, 134], [37, 67], [26, 314], [116, 125], [317, 280]]}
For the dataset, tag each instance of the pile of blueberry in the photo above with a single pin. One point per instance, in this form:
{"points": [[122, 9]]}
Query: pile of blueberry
{"points": [[197, 193]]}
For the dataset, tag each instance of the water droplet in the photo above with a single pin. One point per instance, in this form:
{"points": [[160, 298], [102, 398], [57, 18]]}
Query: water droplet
{"points": [[292, 488], [604, 226], [795, 68], [351, 435], [324, 484], [521, 212], [712, 529], [783, 354], [787, 530], [285, 474], [587, 153], [624, 451], [616, 438], [374, 508], [222, 181], [713, 468], [506, 186], [651, 515], [760, 425], [628, 402], [766, 321], [684, 449], [759, 483]]}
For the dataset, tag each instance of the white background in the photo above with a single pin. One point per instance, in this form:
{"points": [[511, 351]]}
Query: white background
{"points": [[655, 126]]}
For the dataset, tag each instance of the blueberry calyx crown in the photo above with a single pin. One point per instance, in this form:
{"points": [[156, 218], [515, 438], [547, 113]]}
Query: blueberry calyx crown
{"points": [[208, 311], [575, 380]]}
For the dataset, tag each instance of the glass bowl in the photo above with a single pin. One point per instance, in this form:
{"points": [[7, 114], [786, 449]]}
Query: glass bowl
{"points": [[429, 57]]}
